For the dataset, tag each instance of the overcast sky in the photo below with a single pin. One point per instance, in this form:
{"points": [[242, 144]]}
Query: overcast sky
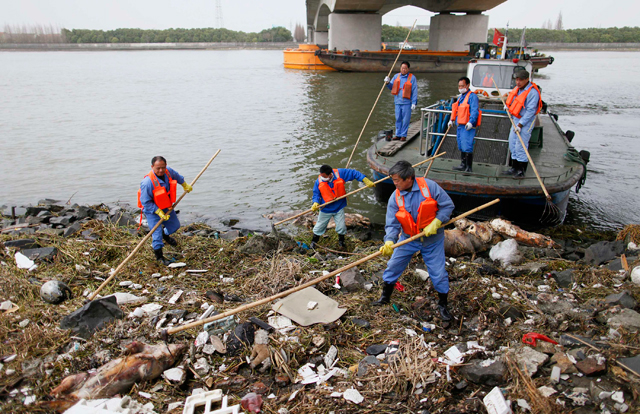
{"points": [[255, 15]]}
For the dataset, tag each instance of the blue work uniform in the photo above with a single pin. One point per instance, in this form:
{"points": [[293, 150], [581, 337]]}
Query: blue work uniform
{"points": [[336, 209], [149, 208], [465, 138], [403, 106], [431, 248], [528, 116]]}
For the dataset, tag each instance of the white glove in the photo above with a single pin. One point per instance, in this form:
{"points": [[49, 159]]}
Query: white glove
{"points": [[450, 124], [413, 107], [387, 79], [518, 129], [506, 108], [468, 126]]}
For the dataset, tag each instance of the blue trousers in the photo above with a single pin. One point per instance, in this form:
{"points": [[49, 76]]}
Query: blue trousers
{"points": [[517, 152], [403, 118], [168, 227], [433, 256], [465, 138], [323, 221]]}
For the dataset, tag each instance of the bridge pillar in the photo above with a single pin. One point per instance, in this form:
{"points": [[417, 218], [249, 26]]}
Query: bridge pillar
{"points": [[454, 32], [349, 31]]}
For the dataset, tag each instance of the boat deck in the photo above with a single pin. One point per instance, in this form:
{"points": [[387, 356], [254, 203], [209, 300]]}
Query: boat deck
{"points": [[490, 158]]}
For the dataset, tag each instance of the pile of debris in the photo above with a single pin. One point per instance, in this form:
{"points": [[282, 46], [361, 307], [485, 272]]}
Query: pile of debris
{"points": [[550, 327]]}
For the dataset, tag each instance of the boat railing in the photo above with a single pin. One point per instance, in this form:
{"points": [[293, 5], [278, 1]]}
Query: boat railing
{"points": [[434, 119]]}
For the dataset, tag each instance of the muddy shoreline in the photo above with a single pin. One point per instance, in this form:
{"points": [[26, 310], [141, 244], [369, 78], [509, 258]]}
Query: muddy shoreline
{"points": [[583, 287]]}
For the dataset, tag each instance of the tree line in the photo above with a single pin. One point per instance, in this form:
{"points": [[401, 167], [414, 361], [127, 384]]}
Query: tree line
{"points": [[589, 35], [274, 34]]}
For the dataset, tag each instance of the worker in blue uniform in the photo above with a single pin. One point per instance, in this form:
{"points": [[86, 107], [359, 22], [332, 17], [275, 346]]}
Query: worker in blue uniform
{"points": [[465, 113], [523, 103], [417, 206], [329, 186], [156, 195], [404, 86]]}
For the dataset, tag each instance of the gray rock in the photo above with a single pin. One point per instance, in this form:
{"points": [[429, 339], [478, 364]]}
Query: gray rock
{"points": [[509, 311], [564, 279], [376, 349], [361, 323], [487, 372], [364, 363], [615, 265], [627, 318], [351, 280], [60, 220], [41, 254], [21, 244], [530, 360], [83, 212], [632, 363], [603, 251], [623, 299], [72, 229], [230, 235], [34, 211]]}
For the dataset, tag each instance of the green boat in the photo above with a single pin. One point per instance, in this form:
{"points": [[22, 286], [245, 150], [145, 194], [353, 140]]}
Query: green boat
{"points": [[522, 201]]}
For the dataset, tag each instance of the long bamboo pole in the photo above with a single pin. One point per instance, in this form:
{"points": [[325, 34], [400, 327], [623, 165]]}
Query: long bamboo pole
{"points": [[526, 151], [145, 238], [436, 153], [351, 193], [380, 93], [176, 329]]}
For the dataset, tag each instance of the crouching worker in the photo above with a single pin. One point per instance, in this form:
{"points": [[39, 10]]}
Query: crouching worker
{"points": [[156, 195], [417, 206], [329, 186]]}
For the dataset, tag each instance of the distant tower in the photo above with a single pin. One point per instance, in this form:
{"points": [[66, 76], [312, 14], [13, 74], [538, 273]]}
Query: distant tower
{"points": [[219, 21]]}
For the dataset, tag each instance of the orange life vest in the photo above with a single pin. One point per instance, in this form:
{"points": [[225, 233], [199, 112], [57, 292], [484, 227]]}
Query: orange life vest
{"points": [[426, 212], [160, 196], [463, 117], [487, 81], [328, 193], [406, 88], [516, 102]]}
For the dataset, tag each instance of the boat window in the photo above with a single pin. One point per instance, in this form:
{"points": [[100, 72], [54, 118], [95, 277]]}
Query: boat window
{"points": [[483, 76]]}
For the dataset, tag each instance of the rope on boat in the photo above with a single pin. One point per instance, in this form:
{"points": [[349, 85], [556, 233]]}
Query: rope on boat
{"points": [[573, 155]]}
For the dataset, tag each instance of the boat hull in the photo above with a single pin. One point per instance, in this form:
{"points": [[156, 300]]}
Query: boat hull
{"points": [[421, 61]]}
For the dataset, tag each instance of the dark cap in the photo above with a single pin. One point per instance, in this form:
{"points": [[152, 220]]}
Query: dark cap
{"points": [[522, 74]]}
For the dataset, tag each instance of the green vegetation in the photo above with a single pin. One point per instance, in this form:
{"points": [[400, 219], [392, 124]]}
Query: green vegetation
{"points": [[275, 34], [398, 34], [590, 35]]}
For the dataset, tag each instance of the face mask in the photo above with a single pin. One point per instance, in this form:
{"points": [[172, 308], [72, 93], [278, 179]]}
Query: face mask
{"points": [[463, 90], [325, 179]]}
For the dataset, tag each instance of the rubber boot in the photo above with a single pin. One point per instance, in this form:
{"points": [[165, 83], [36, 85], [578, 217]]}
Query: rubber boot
{"points": [[513, 169], [341, 242], [463, 162], [169, 240], [385, 297], [160, 257], [442, 307], [315, 241], [522, 169], [469, 161]]}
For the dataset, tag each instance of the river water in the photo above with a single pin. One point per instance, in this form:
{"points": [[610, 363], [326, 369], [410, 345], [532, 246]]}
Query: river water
{"points": [[85, 125]]}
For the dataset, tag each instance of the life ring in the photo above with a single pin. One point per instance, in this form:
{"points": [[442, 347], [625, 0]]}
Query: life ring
{"points": [[332, 56], [482, 92]]}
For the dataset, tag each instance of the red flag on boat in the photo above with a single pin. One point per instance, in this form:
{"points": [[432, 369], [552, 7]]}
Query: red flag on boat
{"points": [[498, 38]]}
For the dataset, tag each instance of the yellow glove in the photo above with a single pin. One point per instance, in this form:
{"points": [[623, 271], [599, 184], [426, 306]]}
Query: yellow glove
{"points": [[162, 214], [187, 187], [387, 249], [368, 182], [315, 207], [432, 228]]}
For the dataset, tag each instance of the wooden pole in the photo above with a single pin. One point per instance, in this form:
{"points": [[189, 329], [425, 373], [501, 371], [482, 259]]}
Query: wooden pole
{"points": [[380, 93], [146, 237], [176, 329], [436, 153], [526, 151], [351, 193]]}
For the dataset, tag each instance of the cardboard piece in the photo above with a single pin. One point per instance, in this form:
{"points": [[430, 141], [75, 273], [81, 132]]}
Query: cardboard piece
{"points": [[295, 307]]}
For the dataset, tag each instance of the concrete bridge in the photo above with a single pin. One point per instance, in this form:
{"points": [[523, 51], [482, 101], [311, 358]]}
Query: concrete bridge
{"points": [[357, 24]]}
